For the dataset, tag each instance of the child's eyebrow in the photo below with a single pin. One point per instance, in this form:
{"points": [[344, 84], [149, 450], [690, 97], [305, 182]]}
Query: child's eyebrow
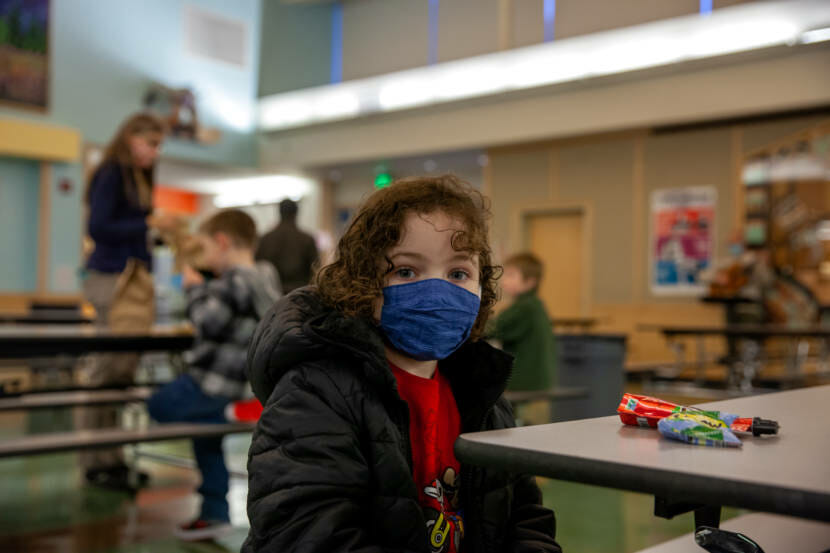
{"points": [[421, 257], [415, 255], [462, 257]]}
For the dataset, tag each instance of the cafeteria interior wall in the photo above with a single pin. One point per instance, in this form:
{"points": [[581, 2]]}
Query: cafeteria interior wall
{"points": [[287, 30], [353, 183], [665, 97], [380, 36], [601, 172], [580, 17], [616, 174], [105, 54], [759, 134], [468, 28], [718, 4], [690, 159], [516, 177], [527, 23], [65, 228], [19, 197]]}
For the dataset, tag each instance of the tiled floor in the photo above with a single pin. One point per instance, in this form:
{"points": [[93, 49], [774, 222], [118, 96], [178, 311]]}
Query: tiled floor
{"points": [[45, 508]]}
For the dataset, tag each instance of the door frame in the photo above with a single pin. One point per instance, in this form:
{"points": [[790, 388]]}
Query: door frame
{"points": [[520, 237]]}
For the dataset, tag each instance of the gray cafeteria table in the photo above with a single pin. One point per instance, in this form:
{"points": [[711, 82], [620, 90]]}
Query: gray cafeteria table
{"points": [[774, 533], [78, 398], [26, 341], [747, 352], [36, 444], [787, 474]]}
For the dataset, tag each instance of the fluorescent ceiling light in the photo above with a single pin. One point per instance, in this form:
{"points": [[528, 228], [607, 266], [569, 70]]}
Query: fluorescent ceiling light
{"points": [[723, 32], [405, 93], [336, 105], [267, 189], [816, 35]]}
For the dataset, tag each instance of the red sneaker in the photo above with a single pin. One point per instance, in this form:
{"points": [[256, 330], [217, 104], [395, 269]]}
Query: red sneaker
{"points": [[202, 530], [248, 410]]}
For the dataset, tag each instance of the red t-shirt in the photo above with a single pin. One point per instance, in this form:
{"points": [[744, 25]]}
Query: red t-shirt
{"points": [[434, 424]]}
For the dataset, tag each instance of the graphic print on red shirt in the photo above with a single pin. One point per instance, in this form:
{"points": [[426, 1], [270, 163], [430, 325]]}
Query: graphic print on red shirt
{"points": [[434, 424]]}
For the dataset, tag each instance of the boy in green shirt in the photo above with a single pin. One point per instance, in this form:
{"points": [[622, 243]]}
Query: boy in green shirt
{"points": [[524, 330]]}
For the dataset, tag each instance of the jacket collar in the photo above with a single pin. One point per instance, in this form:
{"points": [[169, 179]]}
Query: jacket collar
{"points": [[477, 372]]}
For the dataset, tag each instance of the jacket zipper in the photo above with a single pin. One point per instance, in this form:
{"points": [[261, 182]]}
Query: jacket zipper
{"points": [[473, 508], [404, 430]]}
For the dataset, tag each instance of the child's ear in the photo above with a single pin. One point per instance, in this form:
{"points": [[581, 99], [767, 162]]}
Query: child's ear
{"points": [[222, 240]]}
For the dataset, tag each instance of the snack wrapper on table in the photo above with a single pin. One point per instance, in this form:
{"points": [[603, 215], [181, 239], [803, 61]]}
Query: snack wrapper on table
{"points": [[690, 424], [698, 429]]}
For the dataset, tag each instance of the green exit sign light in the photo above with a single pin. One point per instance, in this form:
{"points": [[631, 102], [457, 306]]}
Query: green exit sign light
{"points": [[382, 180]]}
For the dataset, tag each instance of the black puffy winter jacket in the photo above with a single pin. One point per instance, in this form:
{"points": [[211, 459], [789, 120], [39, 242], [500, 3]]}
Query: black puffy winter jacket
{"points": [[330, 466]]}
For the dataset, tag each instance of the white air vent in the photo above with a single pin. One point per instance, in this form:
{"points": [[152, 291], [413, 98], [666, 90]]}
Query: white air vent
{"points": [[215, 36]]}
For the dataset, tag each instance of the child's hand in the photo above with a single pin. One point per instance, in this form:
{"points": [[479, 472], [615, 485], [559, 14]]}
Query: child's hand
{"points": [[191, 277], [163, 221]]}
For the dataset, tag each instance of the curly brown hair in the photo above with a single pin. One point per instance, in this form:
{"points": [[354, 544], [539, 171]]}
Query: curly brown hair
{"points": [[354, 281]]}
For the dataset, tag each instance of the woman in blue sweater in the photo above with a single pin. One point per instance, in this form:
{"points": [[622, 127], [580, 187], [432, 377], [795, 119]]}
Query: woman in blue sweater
{"points": [[119, 198]]}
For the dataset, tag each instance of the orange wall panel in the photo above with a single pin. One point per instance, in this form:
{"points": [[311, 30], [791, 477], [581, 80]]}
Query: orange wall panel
{"points": [[175, 201]]}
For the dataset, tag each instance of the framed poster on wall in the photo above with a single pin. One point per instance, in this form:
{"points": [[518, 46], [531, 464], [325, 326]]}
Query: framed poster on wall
{"points": [[682, 239], [24, 53]]}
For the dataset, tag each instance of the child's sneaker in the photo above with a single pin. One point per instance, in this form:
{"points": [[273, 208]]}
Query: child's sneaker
{"points": [[247, 410], [202, 530]]}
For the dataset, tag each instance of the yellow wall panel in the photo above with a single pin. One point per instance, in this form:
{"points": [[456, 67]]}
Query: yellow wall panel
{"points": [[24, 139]]}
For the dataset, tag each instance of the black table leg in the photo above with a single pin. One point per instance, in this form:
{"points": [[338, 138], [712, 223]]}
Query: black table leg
{"points": [[707, 515]]}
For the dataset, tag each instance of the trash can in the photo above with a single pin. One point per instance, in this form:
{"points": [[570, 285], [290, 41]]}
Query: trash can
{"points": [[595, 362]]}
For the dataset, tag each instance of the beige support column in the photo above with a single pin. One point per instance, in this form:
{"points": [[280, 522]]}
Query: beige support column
{"points": [[505, 24], [326, 208], [325, 221], [737, 156], [487, 176], [640, 218], [44, 226]]}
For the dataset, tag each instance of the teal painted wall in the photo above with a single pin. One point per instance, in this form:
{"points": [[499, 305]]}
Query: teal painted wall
{"points": [[295, 49], [65, 229], [19, 180], [105, 53]]}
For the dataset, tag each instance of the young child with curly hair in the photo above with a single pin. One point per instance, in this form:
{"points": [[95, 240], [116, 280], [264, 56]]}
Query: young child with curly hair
{"points": [[368, 378]]}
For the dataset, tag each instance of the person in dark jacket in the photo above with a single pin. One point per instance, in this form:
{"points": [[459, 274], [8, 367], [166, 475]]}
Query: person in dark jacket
{"points": [[291, 251], [368, 377], [119, 199]]}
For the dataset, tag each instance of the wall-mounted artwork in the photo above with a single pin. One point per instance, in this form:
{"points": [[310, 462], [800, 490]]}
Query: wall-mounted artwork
{"points": [[682, 239], [24, 53]]}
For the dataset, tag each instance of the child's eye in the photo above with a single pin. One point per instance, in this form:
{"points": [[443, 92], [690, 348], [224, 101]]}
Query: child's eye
{"points": [[459, 274], [405, 272]]}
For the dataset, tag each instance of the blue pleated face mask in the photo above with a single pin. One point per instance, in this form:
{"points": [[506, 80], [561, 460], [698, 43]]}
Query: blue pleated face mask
{"points": [[428, 319]]}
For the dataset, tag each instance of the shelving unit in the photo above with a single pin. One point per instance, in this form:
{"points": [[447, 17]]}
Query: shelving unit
{"points": [[787, 206]]}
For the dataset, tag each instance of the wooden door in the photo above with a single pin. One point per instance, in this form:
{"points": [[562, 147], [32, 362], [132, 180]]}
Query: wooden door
{"points": [[557, 240]]}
